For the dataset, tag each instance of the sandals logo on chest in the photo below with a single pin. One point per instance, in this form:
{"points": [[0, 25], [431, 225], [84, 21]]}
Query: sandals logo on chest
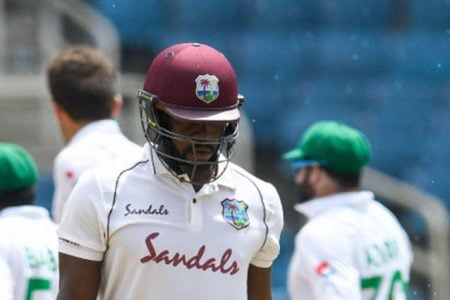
{"points": [[235, 213], [149, 210]]}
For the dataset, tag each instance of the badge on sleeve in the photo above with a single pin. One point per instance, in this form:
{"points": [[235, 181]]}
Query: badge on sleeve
{"points": [[235, 213], [324, 269], [69, 175]]}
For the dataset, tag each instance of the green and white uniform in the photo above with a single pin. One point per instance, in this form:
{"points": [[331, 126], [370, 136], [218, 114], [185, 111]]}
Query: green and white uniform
{"points": [[28, 254], [351, 248]]}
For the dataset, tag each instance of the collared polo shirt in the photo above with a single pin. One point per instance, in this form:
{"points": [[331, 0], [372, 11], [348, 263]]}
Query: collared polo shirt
{"points": [[95, 144], [159, 239], [28, 253], [352, 247]]}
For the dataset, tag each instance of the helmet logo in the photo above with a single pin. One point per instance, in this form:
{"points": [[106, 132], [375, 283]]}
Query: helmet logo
{"points": [[207, 88]]}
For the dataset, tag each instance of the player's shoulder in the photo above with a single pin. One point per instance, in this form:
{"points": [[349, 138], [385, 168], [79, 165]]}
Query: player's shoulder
{"points": [[66, 154], [24, 225], [240, 172], [133, 147], [113, 143], [76, 152], [321, 231], [123, 165], [244, 178], [85, 155], [340, 222], [383, 216], [5, 226]]}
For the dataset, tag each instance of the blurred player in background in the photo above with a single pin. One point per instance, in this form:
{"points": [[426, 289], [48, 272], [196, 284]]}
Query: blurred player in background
{"points": [[82, 84], [28, 241], [181, 222], [352, 247], [6, 282]]}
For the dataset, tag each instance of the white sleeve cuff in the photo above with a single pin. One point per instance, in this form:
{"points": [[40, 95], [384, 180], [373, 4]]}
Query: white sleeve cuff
{"points": [[71, 249]]}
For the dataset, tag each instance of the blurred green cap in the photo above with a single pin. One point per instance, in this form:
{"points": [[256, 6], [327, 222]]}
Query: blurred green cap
{"points": [[17, 168], [335, 145]]}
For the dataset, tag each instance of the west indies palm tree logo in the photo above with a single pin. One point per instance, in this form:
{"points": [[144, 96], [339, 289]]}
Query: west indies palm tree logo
{"points": [[235, 213], [207, 88]]}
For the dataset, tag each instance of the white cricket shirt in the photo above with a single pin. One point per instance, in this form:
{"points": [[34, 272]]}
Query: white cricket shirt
{"points": [[96, 143], [159, 239], [28, 253], [6, 281], [352, 247]]}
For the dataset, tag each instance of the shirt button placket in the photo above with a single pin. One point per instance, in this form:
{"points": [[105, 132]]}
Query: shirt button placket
{"points": [[196, 214]]}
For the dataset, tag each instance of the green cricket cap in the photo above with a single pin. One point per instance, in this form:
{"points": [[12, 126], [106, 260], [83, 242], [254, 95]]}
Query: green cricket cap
{"points": [[332, 144], [18, 169]]}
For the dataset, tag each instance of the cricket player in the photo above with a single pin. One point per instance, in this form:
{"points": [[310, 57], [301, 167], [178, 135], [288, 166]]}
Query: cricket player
{"points": [[28, 241], [82, 83], [352, 247], [182, 221]]}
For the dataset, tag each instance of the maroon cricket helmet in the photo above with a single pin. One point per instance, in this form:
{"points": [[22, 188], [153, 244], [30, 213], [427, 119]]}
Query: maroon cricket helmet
{"points": [[194, 82]]}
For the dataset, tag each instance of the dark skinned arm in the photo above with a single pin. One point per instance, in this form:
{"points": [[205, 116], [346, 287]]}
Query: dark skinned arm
{"points": [[79, 279], [259, 283]]}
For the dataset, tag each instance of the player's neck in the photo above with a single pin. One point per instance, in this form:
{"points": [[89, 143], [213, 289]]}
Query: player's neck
{"points": [[197, 187]]}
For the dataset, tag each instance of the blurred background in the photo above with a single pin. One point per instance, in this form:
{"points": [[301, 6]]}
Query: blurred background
{"points": [[381, 66]]}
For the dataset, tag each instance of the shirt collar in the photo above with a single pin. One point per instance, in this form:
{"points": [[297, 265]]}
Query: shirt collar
{"points": [[320, 205], [226, 180], [28, 211], [106, 126]]}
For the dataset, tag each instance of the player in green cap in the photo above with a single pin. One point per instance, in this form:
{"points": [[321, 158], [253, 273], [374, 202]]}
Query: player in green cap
{"points": [[352, 247], [28, 241]]}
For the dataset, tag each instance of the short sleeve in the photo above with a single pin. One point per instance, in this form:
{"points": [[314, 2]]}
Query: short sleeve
{"points": [[323, 261], [82, 230], [65, 178], [274, 221]]}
